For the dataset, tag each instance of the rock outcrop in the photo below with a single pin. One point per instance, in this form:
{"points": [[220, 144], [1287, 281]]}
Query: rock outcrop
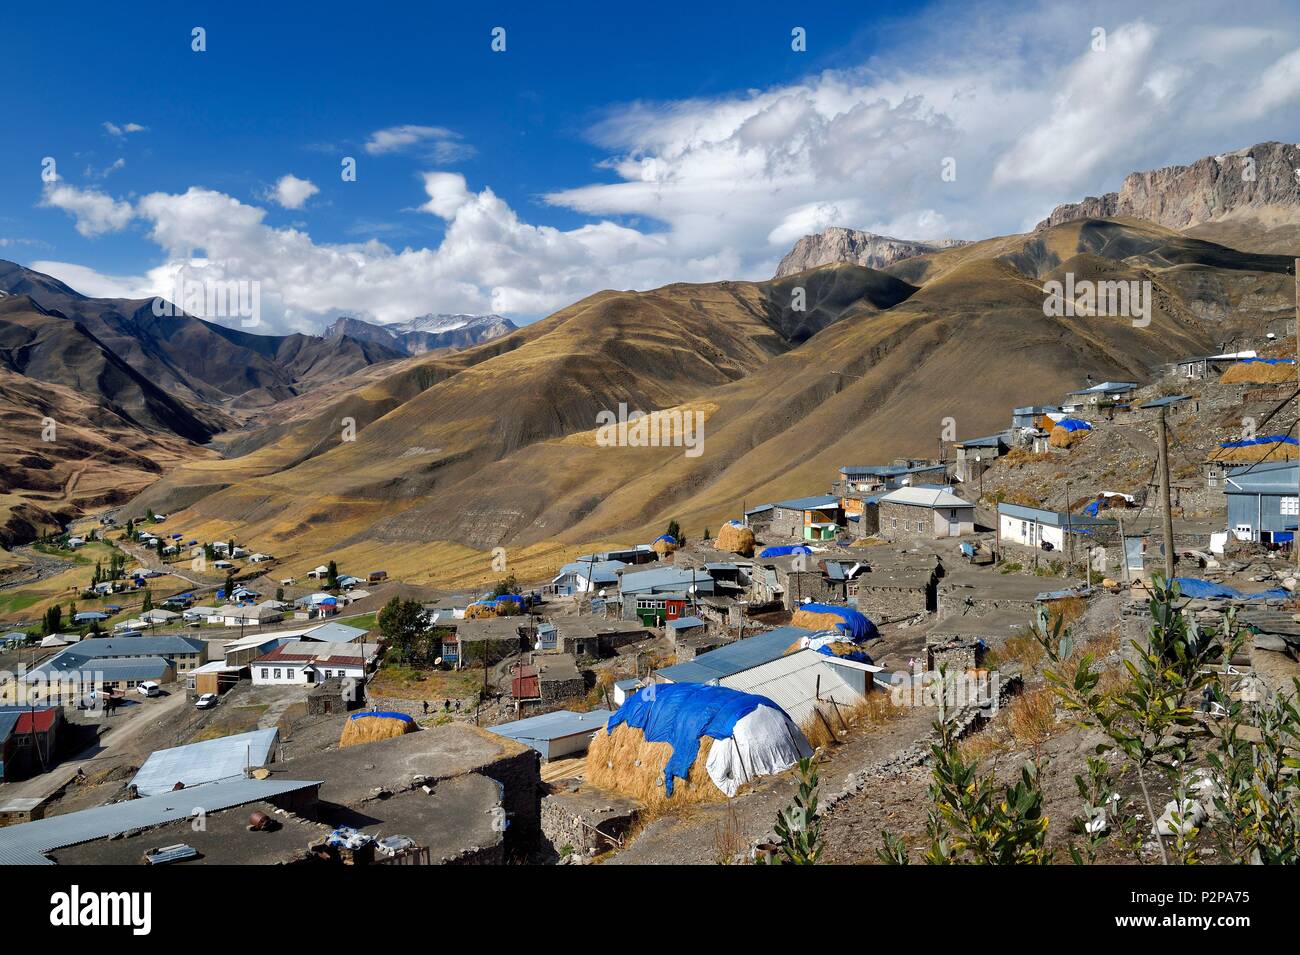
{"points": [[856, 247], [1261, 181]]}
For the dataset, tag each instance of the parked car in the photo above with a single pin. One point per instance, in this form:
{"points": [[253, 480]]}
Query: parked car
{"points": [[206, 702], [148, 688]]}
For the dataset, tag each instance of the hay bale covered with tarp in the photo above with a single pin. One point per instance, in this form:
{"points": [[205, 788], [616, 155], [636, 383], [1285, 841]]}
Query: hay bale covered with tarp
{"points": [[689, 742], [664, 545], [832, 645], [1259, 371], [850, 624], [374, 725], [1068, 432], [480, 609], [735, 538], [1274, 447], [785, 550]]}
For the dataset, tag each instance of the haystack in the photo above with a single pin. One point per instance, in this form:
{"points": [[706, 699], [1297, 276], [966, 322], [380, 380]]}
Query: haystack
{"points": [[624, 762], [374, 726], [664, 546], [1275, 448], [478, 611], [851, 624], [735, 539], [1065, 438], [1260, 371], [809, 620]]}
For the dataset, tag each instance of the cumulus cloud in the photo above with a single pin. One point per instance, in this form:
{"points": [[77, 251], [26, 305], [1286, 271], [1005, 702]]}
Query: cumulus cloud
{"points": [[447, 193], [95, 212], [124, 129], [437, 143], [292, 192]]}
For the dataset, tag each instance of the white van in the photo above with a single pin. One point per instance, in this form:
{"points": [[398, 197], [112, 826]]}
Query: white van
{"points": [[148, 688]]}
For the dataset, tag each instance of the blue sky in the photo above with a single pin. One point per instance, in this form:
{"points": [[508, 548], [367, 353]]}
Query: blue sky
{"points": [[608, 146]]}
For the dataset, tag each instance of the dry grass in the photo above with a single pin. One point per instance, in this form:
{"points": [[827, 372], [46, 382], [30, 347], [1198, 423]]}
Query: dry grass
{"points": [[1274, 451], [624, 762], [1020, 457], [1257, 373], [816, 621], [1021, 648], [1031, 717]]}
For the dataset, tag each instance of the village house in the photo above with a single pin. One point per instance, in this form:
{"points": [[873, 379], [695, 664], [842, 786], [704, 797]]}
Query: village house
{"points": [[1263, 502], [925, 513], [806, 518], [256, 616], [586, 576], [308, 662], [976, 455], [551, 677], [877, 478], [1205, 366], [1036, 527], [661, 594], [895, 589], [1108, 392], [1029, 416], [105, 663], [588, 636], [28, 738]]}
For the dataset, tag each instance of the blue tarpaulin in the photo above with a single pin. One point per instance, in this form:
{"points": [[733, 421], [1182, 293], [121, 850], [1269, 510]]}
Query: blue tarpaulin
{"points": [[1267, 361], [784, 551], [856, 655], [1195, 587], [680, 714], [668, 538], [855, 626], [1092, 508], [967, 549], [382, 714], [1074, 424], [1251, 442]]}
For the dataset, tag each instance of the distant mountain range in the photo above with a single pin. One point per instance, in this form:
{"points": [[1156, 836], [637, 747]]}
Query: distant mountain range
{"points": [[426, 333]]}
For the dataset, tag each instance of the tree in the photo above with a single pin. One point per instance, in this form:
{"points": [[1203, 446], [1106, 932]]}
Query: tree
{"points": [[332, 577], [230, 585], [707, 535], [53, 619], [674, 531], [404, 626], [507, 585], [147, 604], [279, 594]]}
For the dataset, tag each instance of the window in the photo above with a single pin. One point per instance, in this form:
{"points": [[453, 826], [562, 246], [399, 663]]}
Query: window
{"points": [[265, 673], [288, 674], [277, 673], [1291, 505]]}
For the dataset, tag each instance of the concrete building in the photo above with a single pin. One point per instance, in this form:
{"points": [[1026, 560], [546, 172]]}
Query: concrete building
{"points": [[105, 663], [1034, 526], [307, 662], [806, 518], [28, 738]]}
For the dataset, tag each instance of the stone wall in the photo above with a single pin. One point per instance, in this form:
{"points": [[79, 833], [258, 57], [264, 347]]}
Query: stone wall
{"points": [[585, 821], [886, 603], [899, 521]]}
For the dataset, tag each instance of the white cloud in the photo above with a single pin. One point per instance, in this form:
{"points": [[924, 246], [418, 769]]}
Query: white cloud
{"points": [[436, 143], [123, 129], [447, 193], [292, 192], [95, 212]]}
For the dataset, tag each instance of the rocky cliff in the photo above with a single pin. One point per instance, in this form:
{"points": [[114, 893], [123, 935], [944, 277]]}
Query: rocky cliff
{"points": [[1261, 181], [851, 245]]}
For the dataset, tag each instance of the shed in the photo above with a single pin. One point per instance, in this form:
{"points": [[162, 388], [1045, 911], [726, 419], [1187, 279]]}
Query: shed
{"points": [[206, 762], [555, 735]]}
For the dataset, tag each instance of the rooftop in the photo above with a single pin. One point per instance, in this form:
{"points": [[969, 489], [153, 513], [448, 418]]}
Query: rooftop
{"points": [[925, 497], [734, 657], [205, 762]]}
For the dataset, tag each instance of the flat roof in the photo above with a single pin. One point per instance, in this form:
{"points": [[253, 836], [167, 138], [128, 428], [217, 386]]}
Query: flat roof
{"points": [[28, 842], [204, 762], [556, 725]]}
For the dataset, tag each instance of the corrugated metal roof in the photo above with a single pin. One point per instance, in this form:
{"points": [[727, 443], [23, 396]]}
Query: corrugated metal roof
{"points": [[1273, 477], [204, 762], [1052, 518], [28, 842], [796, 683], [549, 726], [686, 623], [815, 503], [925, 497], [665, 577], [336, 633], [735, 657]]}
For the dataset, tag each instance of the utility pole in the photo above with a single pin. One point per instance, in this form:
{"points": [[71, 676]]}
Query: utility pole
{"points": [[1295, 544], [1167, 515], [1123, 553], [1069, 530]]}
